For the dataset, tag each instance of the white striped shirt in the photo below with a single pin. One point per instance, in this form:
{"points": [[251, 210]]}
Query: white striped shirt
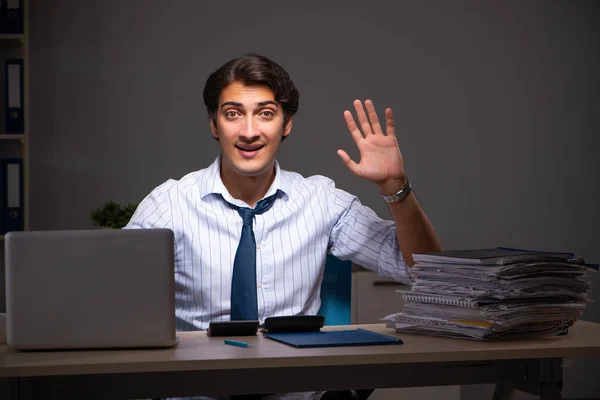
{"points": [[309, 219]]}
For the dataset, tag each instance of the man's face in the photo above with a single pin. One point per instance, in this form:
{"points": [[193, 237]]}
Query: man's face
{"points": [[249, 128]]}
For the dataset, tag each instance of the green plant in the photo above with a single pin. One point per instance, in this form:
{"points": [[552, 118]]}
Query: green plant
{"points": [[112, 215]]}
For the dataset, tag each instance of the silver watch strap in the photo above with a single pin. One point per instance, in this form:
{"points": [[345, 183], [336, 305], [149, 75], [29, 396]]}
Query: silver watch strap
{"points": [[401, 195]]}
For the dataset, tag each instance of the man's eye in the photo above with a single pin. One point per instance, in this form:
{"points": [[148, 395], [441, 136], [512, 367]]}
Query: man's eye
{"points": [[230, 114], [267, 113]]}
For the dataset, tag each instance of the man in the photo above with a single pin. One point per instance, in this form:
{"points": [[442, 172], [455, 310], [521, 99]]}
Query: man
{"points": [[244, 208]]}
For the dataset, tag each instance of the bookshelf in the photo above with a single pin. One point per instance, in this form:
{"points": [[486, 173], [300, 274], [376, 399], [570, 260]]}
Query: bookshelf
{"points": [[16, 145]]}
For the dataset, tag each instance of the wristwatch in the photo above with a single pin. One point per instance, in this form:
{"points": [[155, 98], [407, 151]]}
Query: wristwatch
{"points": [[401, 195]]}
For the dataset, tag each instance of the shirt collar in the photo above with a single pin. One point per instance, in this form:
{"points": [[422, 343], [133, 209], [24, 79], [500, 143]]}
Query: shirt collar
{"points": [[213, 185]]}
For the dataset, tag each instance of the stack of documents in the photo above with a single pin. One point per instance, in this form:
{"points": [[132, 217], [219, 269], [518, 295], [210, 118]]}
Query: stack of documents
{"points": [[493, 294]]}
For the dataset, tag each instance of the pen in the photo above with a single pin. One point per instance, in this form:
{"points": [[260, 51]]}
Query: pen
{"points": [[236, 343]]}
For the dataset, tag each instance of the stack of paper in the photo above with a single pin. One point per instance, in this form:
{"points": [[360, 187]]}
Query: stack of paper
{"points": [[493, 293]]}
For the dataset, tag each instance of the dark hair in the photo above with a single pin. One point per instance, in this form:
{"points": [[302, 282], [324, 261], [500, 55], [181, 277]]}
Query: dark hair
{"points": [[252, 69]]}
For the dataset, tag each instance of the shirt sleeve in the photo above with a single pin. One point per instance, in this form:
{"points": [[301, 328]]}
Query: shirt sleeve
{"points": [[361, 236], [154, 211]]}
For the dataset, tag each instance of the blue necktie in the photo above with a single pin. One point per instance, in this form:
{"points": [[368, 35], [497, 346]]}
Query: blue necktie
{"points": [[244, 304]]}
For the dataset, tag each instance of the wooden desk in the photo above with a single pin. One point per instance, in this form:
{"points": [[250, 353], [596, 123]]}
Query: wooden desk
{"points": [[203, 365]]}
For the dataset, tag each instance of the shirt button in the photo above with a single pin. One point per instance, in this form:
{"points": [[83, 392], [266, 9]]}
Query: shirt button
{"points": [[259, 285], [258, 245]]}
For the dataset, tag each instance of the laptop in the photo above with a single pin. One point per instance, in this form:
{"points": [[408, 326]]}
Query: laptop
{"points": [[88, 289]]}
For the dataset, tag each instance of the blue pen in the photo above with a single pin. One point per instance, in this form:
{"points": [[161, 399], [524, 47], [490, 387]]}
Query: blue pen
{"points": [[236, 343]]}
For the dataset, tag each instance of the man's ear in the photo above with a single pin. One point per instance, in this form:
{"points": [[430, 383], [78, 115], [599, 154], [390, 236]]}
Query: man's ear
{"points": [[213, 128], [288, 127]]}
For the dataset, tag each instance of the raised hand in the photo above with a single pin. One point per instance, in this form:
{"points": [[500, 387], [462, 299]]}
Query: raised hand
{"points": [[380, 157]]}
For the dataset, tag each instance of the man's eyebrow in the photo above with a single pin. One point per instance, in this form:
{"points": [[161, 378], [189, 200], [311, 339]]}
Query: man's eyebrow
{"points": [[240, 105], [231, 103], [264, 103]]}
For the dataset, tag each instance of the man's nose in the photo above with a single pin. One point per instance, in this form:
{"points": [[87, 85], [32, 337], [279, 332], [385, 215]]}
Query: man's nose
{"points": [[250, 129]]}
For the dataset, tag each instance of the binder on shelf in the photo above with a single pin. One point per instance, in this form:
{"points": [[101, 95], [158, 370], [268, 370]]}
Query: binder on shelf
{"points": [[13, 88], [11, 17], [11, 196]]}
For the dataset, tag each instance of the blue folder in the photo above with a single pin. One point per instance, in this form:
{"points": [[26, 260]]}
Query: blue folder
{"points": [[355, 337]]}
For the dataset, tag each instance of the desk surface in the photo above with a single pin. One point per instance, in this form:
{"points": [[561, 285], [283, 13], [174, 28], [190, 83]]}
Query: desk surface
{"points": [[197, 351]]}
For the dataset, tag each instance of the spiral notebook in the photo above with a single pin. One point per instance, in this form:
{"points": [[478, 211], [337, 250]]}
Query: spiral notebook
{"points": [[355, 337], [439, 299]]}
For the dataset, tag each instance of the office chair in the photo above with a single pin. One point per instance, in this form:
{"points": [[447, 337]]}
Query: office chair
{"points": [[336, 292], [336, 306]]}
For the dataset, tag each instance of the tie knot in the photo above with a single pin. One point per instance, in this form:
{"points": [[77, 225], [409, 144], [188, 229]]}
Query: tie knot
{"points": [[262, 206], [247, 214]]}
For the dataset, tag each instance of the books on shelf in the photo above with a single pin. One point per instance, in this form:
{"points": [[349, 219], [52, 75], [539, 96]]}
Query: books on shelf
{"points": [[493, 293], [13, 164]]}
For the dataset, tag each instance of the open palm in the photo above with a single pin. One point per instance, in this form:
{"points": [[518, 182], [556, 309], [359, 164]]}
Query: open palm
{"points": [[380, 157]]}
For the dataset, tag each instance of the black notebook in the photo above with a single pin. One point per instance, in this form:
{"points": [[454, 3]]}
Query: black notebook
{"points": [[493, 256]]}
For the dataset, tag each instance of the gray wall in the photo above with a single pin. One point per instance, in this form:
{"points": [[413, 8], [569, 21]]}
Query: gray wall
{"points": [[496, 106]]}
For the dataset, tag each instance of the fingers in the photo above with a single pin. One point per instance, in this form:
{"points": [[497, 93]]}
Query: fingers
{"points": [[368, 121], [354, 131], [390, 126], [362, 118], [352, 166], [375, 125]]}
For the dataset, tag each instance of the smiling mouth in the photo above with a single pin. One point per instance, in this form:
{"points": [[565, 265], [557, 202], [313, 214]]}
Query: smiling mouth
{"points": [[249, 149]]}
